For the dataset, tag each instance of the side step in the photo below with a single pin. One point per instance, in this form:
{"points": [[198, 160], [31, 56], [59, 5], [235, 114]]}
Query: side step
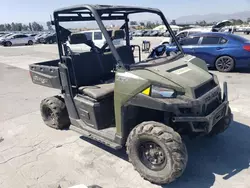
{"points": [[96, 137]]}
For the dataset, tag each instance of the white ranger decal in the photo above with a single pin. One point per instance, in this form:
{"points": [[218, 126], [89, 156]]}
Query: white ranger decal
{"points": [[181, 70], [128, 75]]}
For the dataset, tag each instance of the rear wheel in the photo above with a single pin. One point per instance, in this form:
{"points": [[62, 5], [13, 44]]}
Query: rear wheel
{"points": [[225, 64], [30, 42], [157, 152], [54, 112], [8, 43], [50, 41]]}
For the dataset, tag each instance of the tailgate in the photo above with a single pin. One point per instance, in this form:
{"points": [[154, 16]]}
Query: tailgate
{"points": [[46, 74]]}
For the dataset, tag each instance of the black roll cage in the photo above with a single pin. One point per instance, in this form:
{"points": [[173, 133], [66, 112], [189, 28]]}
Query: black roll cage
{"points": [[104, 12]]}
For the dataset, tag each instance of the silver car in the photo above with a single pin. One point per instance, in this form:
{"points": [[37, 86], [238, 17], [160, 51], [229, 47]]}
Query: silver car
{"points": [[18, 39]]}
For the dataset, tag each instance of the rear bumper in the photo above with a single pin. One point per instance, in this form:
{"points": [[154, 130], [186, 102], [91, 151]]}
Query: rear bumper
{"points": [[206, 123]]}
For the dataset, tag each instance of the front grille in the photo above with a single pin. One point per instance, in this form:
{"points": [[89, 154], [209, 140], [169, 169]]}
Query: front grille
{"points": [[211, 106], [204, 88]]}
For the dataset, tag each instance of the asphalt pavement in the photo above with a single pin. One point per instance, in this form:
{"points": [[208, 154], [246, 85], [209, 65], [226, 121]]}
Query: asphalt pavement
{"points": [[33, 155]]}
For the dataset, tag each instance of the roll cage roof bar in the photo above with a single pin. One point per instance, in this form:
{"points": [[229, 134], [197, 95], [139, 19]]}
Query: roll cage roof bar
{"points": [[103, 12]]}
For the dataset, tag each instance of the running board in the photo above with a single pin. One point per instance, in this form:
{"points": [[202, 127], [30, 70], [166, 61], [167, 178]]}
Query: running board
{"points": [[96, 137]]}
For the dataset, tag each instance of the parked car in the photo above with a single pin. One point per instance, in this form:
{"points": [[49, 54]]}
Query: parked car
{"points": [[154, 33], [18, 39], [223, 51], [185, 33], [146, 33], [247, 31], [138, 33], [40, 38], [49, 39]]}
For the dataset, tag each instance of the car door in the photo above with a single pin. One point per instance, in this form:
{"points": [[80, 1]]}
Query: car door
{"points": [[189, 44], [209, 48], [24, 39], [15, 39]]}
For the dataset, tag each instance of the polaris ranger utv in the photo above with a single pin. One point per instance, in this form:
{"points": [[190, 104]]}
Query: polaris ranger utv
{"points": [[144, 106]]}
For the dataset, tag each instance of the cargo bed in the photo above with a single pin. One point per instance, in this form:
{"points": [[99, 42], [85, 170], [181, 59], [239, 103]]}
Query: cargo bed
{"points": [[46, 73]]}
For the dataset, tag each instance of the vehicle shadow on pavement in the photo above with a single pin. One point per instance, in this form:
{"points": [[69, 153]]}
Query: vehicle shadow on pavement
{"points": [[225, 155], [119, 153]]}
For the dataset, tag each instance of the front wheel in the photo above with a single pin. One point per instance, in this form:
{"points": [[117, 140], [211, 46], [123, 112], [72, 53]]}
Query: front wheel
{"points": [[157, 152], [54, 112], [30, 42], [224, 64]]}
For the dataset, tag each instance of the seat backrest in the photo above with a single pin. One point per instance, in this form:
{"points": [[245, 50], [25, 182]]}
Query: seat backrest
{"points": [[78, 38], [126, 54], [86, 68]]}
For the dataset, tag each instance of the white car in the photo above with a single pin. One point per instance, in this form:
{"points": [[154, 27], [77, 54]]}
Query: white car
{"points": [[18, 39], [185, 33], [98, 39]]}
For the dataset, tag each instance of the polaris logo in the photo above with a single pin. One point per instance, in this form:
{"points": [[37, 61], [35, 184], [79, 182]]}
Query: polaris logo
{"points": [[39, 79]]}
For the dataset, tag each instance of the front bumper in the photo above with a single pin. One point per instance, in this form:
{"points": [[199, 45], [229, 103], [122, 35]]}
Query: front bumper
{"points": [[206, 123]]}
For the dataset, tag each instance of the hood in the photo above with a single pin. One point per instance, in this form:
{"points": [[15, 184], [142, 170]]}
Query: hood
{"points": [[184, 72], [221, 24]]}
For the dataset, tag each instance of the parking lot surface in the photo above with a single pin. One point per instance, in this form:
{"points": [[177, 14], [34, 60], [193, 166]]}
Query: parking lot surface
{"points": [[33, 155]]}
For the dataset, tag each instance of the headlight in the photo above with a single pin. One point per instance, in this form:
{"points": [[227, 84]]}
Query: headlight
{"points": [[216, 79], [159, 92]]}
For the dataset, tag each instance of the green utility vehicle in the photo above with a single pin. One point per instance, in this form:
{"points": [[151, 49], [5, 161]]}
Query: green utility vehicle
{"points": [[145, 106]]}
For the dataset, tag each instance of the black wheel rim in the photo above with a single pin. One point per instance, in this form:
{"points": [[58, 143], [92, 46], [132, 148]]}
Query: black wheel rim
{"points": [[225, 63], [48, 114], [152, 155]]}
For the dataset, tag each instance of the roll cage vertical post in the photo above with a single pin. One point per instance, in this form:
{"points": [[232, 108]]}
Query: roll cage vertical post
{"points": [[127, 30]]}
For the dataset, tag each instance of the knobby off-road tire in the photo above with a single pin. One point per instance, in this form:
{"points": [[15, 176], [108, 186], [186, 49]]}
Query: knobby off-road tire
{"points": [[222, 125], [172, 165], [54, 112]]}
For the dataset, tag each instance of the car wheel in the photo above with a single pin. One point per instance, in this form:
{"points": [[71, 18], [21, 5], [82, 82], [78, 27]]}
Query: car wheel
{"points": [[50, 41], [8, 43], [54, 112], [224, 64], [165, 43], [30, 42], [157, 152]]}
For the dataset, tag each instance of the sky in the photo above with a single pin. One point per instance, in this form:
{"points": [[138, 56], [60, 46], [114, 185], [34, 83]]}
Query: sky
{"points": [[32, 10]]}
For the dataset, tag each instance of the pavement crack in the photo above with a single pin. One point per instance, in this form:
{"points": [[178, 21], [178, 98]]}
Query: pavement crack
{"points": [[7, 149], [17, 156], [43, 175]]}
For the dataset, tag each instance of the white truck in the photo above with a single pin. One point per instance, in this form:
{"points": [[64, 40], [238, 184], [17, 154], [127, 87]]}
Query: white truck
{"points": [[98, 39]]}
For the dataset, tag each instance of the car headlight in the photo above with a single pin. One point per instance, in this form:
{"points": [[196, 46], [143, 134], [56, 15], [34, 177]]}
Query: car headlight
{"points": [[159, 92]]}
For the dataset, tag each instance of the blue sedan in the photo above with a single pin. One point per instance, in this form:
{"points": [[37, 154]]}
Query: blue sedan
{"points": [[222, 51]]}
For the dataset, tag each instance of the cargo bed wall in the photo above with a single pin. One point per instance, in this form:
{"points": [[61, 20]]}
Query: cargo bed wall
{"points": [[46, 73]]}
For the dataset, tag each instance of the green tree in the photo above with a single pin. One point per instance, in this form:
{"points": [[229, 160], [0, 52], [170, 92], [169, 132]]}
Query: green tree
{"points": [[7, 27], [30, 27], [36, 26], [142, 24], [133, 23], [49, 25], [173, 22], [2, 27]]}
